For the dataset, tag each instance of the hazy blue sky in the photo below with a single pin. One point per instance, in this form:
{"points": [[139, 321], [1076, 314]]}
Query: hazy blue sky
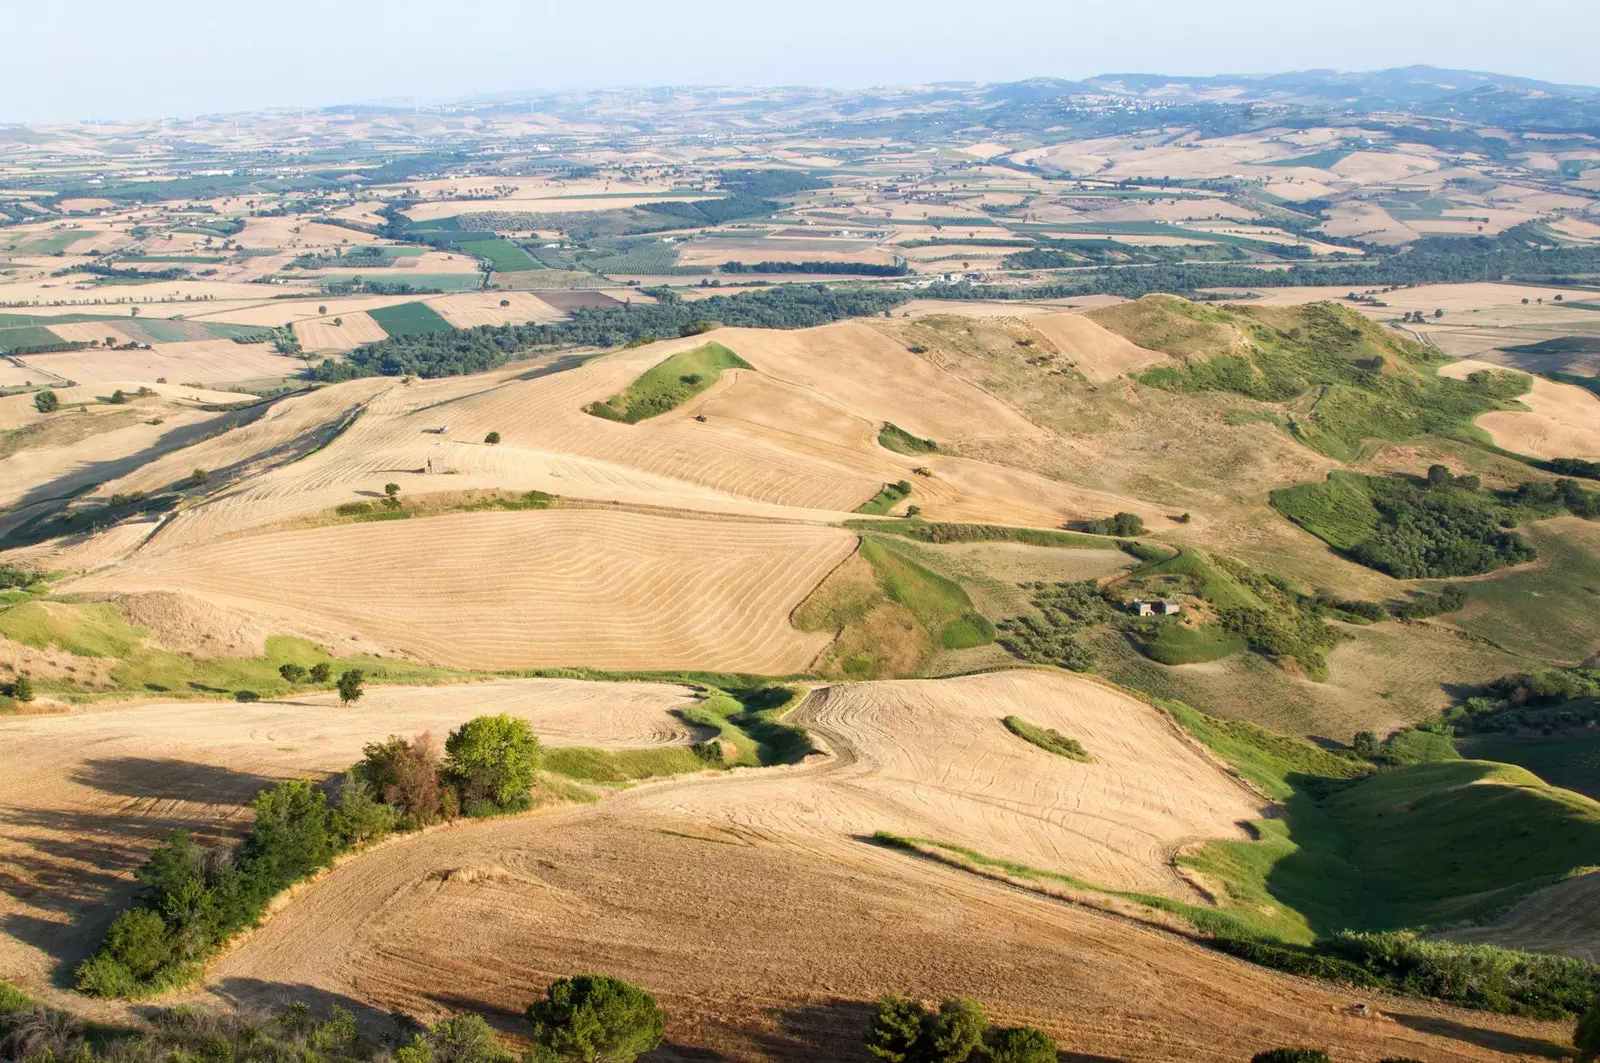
{"points": [[153, 58]]}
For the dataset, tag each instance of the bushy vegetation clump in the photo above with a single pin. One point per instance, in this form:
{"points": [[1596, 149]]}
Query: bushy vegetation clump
{"points": [[889, 496], [195, 898], [893, 437], [1047, 739], [595, 1019], [1122, 525], [904, 1031], [1437, 529], [1065, 609]]}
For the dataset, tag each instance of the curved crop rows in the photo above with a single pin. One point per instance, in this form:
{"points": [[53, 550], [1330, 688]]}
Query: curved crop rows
{"points": [[530, 589]]}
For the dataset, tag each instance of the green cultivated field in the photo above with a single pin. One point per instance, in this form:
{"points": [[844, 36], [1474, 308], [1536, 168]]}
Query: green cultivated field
{"points": [[409, 319]]}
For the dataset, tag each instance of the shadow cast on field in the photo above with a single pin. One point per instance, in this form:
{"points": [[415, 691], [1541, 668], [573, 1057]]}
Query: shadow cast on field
{"points": [[252, 995], [1494, 1040], [168, 779]]}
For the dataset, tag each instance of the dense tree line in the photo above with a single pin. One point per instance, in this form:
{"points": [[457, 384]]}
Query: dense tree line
{"points": [[1428, 262], [487, 346], [713, 211], [860, 269], [195, 898], [768, 182]]}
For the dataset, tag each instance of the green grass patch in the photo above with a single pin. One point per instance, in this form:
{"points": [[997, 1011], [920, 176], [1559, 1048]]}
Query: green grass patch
{"points": [[88, 630], [893, 437], [402, 283], [1171, 642], [98, 629], [409, 319], [939, 605], [668, 385], [1548, 611], [750, 719], [627, 765], [1047, 739], [1358, 849], [1320, 160], [887, 498], [1570, 761], [948, 532]]}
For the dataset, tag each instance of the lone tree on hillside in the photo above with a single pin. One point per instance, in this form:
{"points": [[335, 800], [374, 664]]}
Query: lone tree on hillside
{"points": [[391, 493], [350, 686], [46, 401], [492, 758], [22, 688], [492, 438], [505, 303], [321, 310], [596, 1019], [199, 477]]}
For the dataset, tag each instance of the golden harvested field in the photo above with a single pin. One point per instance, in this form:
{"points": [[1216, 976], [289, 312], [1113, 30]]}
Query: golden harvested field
{"points": [[571, 587], [1095, 351], [201, 361], [1563, 919], [354, 329], [287, 430], [1563, 419], [87, 794], [494, 910], [483, 308]]}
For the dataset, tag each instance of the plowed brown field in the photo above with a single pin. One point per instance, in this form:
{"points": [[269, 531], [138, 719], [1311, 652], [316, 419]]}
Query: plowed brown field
{"points": [[755, 909], [85, 796]]}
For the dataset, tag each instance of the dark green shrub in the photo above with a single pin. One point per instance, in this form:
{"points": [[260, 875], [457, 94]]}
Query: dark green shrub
{"points": [[1587, 1036], [1120, 524], [1291, 1055], [292, 673], [350, 685], [595, 1018], [22, 688], [1023, 1044], [897, 1029], [246, 696], [46, 401], [320, 672], [492, 438]]}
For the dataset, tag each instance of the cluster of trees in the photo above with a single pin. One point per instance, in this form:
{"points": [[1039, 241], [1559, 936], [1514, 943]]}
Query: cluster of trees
{"points": [[1065, 610], [1515, 254], [454, 352], [195, 898], [904, 1031], [713, 211], [1437, 531], [1545, 702], [46, 401], [1121, 525], [588, 1018], [768, 182], [859, 269], [349, 683]]}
